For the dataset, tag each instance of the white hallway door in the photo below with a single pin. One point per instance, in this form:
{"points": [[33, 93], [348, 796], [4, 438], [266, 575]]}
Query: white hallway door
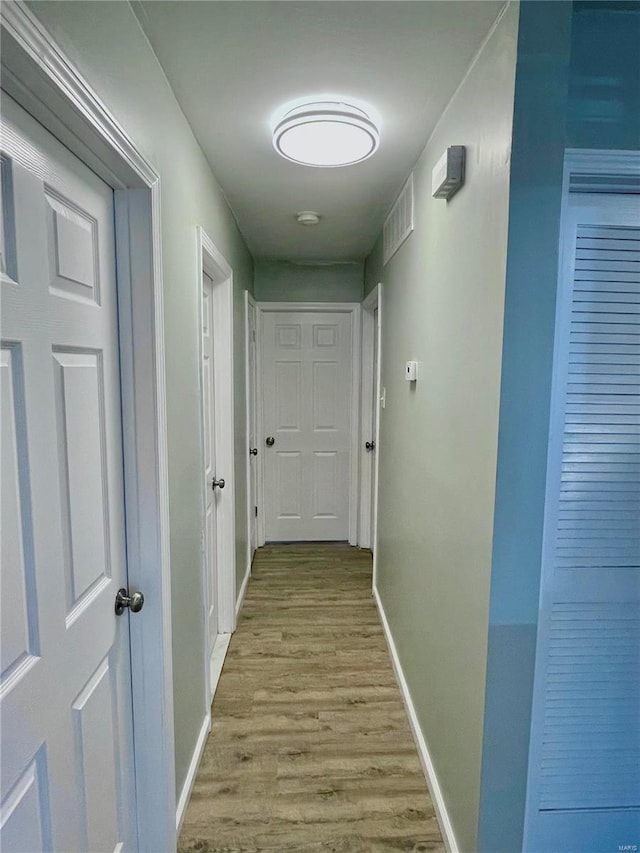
{"points": [[252, 415], [307, 386], [65, 691], [374, 430], [212, 491]]}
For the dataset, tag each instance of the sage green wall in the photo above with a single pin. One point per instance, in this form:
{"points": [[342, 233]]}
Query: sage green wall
{"points": [[106, 43], [443, 306], [283, 281]]}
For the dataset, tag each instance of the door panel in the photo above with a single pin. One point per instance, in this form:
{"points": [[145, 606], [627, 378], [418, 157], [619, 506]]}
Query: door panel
{"points": [[288, 396], [79, 387], [289, 484], [94, 725], [307, 384], [25, 817], [326, 484], [210, 526], [584, 774], [65, 691], [19, 616], [324, 393]]}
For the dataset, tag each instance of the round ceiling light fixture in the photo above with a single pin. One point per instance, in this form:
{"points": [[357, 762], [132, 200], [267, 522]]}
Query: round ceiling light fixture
{"points": [[325, 133]]}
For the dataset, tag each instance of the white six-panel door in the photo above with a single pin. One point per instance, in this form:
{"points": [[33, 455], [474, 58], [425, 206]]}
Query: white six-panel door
{"points": [[212, 495], [252, 415], [306, 393], [65, 686]]}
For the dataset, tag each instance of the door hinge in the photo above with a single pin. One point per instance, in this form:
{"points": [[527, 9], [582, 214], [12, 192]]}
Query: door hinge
{"points": [[256, 509]]}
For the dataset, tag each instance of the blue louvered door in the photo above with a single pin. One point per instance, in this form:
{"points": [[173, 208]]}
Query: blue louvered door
{"points": [[584, 774]]}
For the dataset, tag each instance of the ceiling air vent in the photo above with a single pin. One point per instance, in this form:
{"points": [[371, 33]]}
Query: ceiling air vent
{"points": [[399, 223]]}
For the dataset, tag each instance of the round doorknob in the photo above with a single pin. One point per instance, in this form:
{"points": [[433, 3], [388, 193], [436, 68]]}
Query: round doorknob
{"points": [[270, 441], [253, 451], [134, 602], [217, 484], [137, 602]]}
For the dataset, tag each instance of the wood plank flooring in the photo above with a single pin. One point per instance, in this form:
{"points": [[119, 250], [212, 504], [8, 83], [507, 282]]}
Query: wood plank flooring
{"points": [[310, 748]]}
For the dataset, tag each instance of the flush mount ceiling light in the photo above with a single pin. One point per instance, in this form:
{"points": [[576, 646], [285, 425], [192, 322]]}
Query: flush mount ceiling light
{"points": [[325, 133]]}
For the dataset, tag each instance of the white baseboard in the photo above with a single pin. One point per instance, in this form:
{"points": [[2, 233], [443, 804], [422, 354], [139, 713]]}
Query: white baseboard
{"points": [[243, 590], [191, 773], [421, 744], [216, 663]]}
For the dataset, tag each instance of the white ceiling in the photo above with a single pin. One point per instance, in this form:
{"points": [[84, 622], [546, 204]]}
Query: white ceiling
{"points": [[232, 63]]}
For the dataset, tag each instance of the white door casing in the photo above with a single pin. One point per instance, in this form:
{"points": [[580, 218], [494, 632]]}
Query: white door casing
{"points": [[375, 402], [254, 450], [310, 372], [67, 764], [218, 437], [212, 495], [369, 407]]}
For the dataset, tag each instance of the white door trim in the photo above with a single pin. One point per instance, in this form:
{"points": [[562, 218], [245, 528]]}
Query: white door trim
{"points": [[370, 392], [249, 300], [211, 261], [353, 309], [43, 81], [261, 530]]}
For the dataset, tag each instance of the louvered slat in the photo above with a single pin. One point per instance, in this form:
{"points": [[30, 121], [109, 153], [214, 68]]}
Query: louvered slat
{"points": [[599, 379], [592, 705]]}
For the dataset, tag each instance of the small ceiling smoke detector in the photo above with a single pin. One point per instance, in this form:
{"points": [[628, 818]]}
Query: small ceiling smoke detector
{"points": [[307, 217], [325, 132]]}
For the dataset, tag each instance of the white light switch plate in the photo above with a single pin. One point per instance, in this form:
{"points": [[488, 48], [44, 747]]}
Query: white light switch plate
{"points": [[411, 371]]}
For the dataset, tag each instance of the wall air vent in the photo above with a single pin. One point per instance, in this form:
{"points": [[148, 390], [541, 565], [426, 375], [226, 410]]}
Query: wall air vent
{"points": [[448, 174], [399, 223]]}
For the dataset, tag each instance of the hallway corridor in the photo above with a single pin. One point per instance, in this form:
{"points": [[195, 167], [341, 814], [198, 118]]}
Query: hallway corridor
{"points": [[310, 748]]}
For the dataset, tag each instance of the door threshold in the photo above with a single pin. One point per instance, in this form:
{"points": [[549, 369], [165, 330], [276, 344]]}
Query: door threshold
{"points": [[307, 542]]}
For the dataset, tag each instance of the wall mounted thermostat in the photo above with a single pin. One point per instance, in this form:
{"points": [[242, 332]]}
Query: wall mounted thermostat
{"points": [[411, 371], [448, 174]]}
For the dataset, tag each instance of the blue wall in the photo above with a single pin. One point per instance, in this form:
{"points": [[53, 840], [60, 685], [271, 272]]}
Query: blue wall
{"points": [[604, 82], [539, 137], [577, 86]]}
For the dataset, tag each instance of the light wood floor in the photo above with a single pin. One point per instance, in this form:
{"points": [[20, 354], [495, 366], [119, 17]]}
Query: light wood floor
{"points": [[310, 748]]}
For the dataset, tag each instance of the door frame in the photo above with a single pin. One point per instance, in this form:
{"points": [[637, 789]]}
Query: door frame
{"points": [[249, 300], [212, 262], [353, 309], [370, 392], [47, 85]]}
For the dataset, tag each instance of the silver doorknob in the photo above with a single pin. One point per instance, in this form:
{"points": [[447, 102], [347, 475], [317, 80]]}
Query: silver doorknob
{"points": [[133, 602], [217, 484], [370, 445], [270, 441]]}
